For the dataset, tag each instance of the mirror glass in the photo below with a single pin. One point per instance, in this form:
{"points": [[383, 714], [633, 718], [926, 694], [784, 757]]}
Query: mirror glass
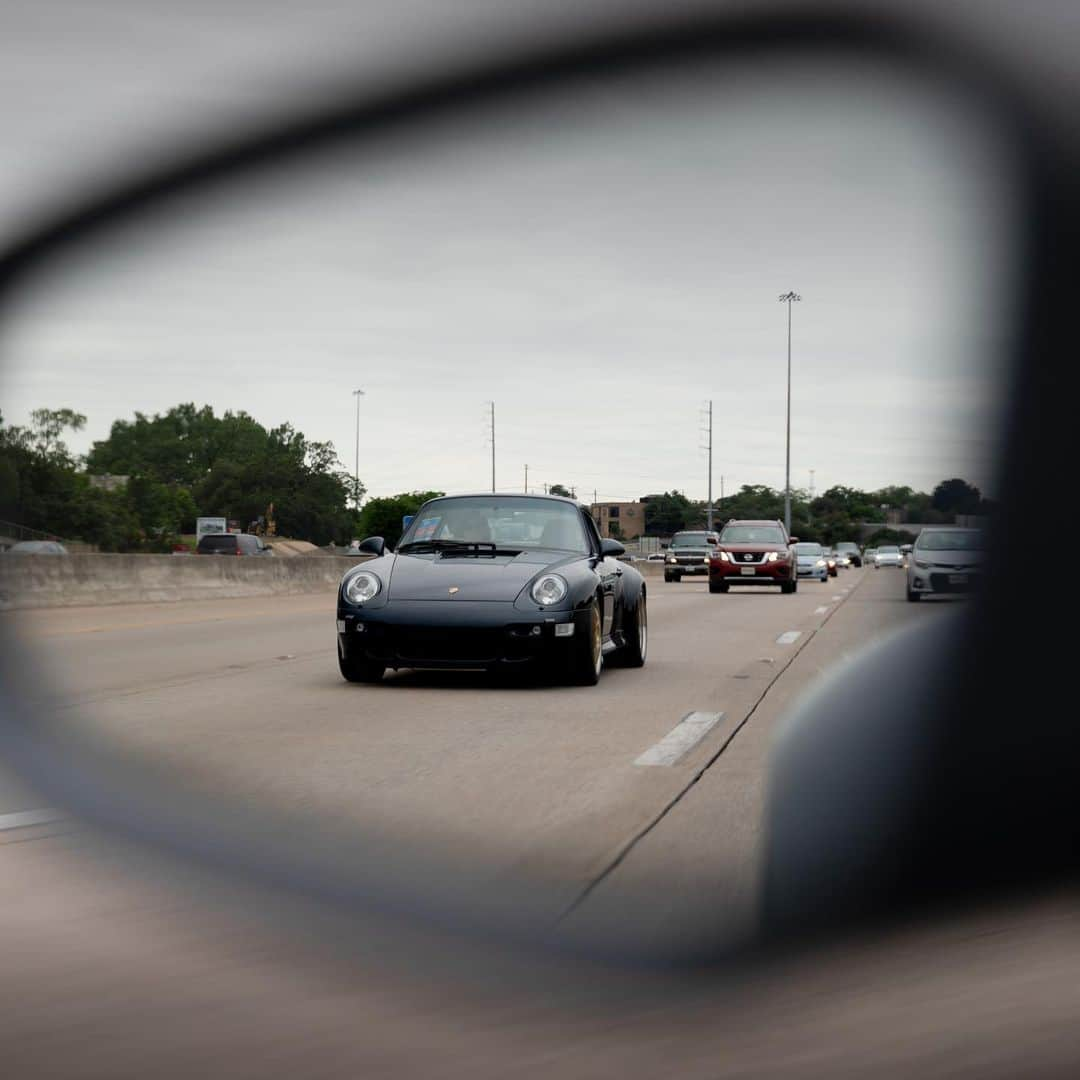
{"points": [[575, 292]]}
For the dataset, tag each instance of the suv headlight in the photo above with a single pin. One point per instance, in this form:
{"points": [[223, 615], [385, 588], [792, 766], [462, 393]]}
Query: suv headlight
{"points": [[548, 590], [821, 562], [672, 559], [772, 557], [362, 586], [923, 565]]}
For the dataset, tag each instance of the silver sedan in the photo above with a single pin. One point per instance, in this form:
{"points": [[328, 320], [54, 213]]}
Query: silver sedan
{"points": [[945, 560]]}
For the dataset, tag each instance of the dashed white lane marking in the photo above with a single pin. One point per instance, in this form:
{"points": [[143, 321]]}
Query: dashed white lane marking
{"points": [[25, 818], [789, 637], [682, 738], [821, 610]]}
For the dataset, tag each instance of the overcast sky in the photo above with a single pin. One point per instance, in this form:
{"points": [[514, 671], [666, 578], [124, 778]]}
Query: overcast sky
{"points": [[599, 265]]}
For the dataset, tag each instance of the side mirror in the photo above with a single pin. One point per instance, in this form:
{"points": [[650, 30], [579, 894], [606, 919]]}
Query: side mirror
{"points": [[792, 539], [611, 548], [374, 545]]}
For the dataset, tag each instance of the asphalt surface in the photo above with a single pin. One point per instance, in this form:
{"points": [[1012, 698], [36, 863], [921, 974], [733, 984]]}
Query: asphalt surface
{"points": [[114, 968], [539, 779]]}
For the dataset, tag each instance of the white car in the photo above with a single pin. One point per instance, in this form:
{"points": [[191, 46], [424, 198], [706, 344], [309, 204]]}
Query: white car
{"points": [[889, 555]]}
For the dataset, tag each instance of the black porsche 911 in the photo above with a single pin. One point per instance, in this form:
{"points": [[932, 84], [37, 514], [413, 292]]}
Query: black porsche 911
{"points": [[493, 581]]}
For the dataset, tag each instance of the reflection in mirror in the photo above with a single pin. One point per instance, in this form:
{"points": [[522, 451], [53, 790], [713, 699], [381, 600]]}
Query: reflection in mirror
{"points": [[571, 295]]}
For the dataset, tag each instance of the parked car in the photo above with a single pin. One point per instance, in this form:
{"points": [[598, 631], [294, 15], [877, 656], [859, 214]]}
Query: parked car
{"points": [[868, 555], [689, 553], [851, 551], [656, 556], [37, 547], [810, 561], [232, 544], [888, 555], [753, 553], [945, 560], [451, 596]]}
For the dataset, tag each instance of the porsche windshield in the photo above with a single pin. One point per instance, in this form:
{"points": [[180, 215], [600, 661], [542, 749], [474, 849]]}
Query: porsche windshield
{"points": [[506, 521]]}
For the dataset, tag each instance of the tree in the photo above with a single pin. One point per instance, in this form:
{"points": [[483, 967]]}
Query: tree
{"points": [[956, 496], [229, 466], [382, 516], [668, 513], [560, 489]]}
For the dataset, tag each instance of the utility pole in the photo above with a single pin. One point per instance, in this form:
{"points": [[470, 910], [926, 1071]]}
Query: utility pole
{"points": [[526, 478], [709, 512], [491, 404], [358, 394], [788, 298], [811, 485]]}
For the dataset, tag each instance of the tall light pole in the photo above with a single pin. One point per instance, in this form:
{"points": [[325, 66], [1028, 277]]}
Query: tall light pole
{"points": [[492, 403], [358, 394], [788, 298], [709, 512]]}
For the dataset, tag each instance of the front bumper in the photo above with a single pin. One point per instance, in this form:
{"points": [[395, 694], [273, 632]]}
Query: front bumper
{"points": [[467, 635], [700, 566], [939, 580], [774, 573]]}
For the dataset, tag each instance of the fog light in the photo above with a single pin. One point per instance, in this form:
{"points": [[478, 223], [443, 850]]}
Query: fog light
{"points": [[535, 631], [565, 629]]}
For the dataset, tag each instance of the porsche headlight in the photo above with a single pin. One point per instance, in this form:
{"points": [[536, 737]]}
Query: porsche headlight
{"points": [[548, 590], [362, 587]]}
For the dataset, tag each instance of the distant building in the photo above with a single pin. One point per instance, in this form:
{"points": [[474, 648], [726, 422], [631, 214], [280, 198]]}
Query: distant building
{"points": [[622, 520]]}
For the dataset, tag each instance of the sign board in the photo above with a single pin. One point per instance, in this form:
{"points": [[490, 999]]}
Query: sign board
{"points": [[206, 525]]}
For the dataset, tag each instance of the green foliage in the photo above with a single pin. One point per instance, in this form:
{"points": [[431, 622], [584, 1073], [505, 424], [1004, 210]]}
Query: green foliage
{"points": [[180, 464], [560, 489], [382, 516], [188, 462], [957, 497], [670, 513]]}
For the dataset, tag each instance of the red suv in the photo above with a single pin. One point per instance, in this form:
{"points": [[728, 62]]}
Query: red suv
{"points": [[753, 553]]}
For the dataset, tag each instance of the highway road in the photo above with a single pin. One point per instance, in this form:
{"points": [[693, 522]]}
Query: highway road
{"points": [[547, 782], [584, 791]]}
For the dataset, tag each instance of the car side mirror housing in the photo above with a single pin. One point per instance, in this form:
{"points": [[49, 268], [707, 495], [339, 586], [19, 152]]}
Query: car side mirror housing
{"points": [[611, 548], [792, 539], [373, 545]]}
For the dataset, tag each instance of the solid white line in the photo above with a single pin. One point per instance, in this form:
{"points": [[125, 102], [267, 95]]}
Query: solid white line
{"points": [[25, 818], [789, 637], [838, 598], [682, 738], [821, 610]]}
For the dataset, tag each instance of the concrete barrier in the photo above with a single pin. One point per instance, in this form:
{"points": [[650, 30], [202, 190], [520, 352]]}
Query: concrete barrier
{"points": [[41, 581]]}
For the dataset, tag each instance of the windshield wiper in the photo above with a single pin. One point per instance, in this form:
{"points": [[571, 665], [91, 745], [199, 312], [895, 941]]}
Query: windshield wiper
{"points": [[454, 547]]}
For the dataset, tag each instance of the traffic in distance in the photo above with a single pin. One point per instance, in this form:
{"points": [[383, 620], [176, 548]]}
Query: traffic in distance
{"points": [[504, 582]]}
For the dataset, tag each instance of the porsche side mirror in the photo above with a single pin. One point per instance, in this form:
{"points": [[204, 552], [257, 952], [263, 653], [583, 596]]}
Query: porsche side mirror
{"points": [[611, 548], [373, 545]]}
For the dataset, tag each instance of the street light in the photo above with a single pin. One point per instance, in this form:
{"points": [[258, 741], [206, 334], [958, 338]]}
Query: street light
{"points": [[358, 394], [787, 298]]}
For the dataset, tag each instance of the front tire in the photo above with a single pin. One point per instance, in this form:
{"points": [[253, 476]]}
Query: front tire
{"points": [[913, 597], [357, 669], [587, 656], [787, 587], [718, 586]]}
